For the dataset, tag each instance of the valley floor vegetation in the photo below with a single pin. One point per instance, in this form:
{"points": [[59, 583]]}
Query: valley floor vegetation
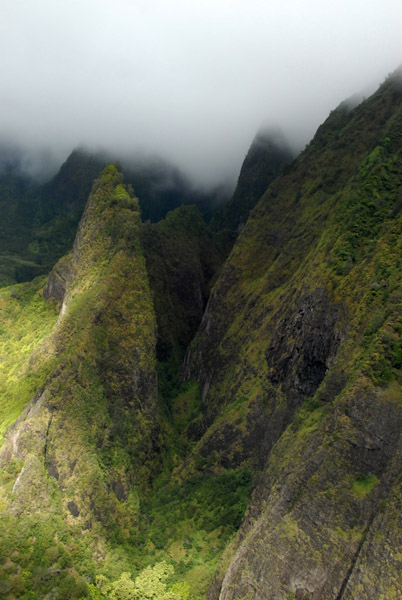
{"points": [[208, 406]]}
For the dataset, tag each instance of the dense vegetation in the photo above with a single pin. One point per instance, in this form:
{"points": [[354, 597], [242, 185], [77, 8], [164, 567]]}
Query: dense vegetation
{"points": [[304, 323], [180, 426], [83, 467]]}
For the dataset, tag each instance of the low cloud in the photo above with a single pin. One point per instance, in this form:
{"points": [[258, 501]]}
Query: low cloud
{"points": [[189, 81]]}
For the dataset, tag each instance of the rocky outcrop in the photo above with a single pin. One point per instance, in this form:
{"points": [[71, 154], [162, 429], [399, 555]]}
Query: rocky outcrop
{"points": [[319, 506], [304, 345], [59, 279]]}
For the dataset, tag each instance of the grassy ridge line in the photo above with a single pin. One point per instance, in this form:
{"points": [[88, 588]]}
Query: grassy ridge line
{"points": [[80, 487], [91, 441]]}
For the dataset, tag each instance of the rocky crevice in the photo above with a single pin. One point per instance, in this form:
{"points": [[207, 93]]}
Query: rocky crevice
{"points": [[354, 560]]}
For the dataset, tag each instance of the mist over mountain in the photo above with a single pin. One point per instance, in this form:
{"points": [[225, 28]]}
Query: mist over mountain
{"points": [[190, 415], [268, 153], [188, 82], [200, 300], [39, 218], [183, 422]]}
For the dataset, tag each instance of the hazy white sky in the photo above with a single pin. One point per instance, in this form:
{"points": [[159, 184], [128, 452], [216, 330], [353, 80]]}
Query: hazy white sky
{"points": [[191, 80]]}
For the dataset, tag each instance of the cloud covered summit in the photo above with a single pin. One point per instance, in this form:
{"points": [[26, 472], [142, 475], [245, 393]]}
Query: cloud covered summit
{"points": [[189, 81]]}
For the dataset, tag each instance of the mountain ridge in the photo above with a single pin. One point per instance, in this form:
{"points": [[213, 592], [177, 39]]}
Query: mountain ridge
{"points": [[267, 465]]}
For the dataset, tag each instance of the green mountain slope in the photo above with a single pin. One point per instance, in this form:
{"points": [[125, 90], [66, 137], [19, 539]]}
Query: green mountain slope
{"points": [[267, 465], [79, 459], [93, 452], [182, 256], [298, 358]]}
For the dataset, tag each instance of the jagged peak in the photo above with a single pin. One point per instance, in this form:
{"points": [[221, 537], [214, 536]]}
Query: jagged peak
{"points": [[270, 136], [267, 154]]}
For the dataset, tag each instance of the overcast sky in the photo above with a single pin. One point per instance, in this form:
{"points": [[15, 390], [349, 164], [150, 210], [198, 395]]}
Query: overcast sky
{"points": [[191, 80]]}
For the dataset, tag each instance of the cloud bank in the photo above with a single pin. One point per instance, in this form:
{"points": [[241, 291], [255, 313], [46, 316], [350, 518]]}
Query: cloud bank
{"points": [[191, 81]]}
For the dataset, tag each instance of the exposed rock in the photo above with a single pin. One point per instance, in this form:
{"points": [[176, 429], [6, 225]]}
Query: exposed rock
{"points": [[58, 279], [120, 490], [305, 344], [52, 469], [73, 508]]}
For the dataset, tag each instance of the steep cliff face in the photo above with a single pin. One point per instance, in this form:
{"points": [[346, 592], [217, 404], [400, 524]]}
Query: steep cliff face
{"points": [[182, 256], [88, 441], [298, 357], [292, 382]]}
